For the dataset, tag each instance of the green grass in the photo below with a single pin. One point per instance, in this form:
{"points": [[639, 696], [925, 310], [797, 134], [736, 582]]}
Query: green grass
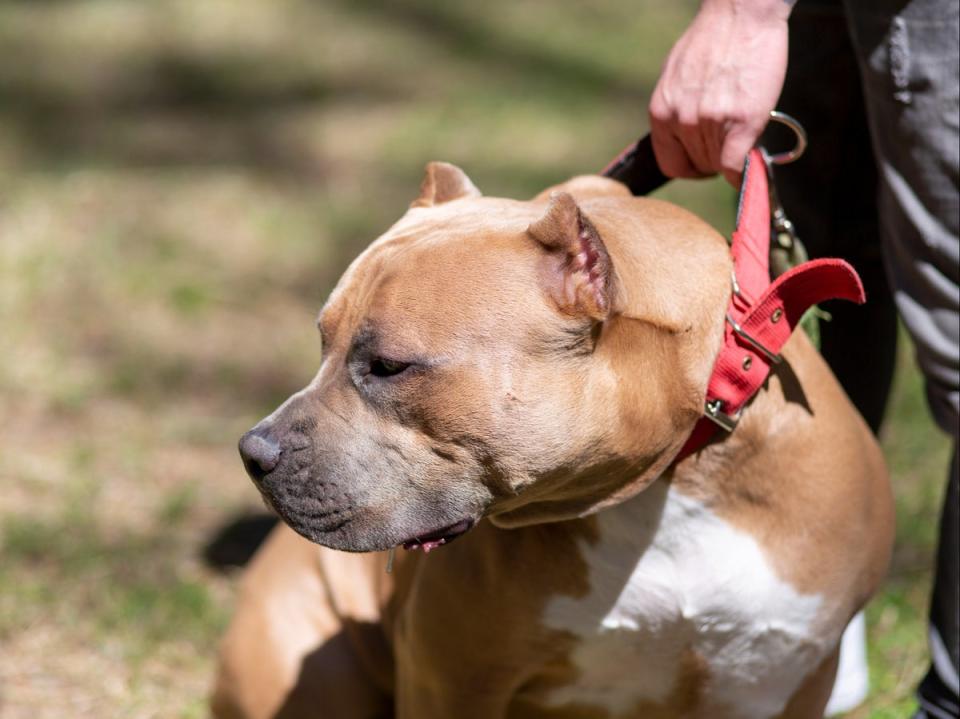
{"points": [[181, 184], [918, 455], [132, 586]]}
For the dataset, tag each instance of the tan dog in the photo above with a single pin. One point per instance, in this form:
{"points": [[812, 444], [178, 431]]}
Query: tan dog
{"points": [[529, 371]]}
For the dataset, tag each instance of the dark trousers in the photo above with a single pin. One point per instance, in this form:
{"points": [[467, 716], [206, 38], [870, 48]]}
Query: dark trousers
{"points": [[852, 196]]}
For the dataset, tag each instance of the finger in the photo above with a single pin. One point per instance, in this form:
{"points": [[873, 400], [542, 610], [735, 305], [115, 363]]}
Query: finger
{"points": [[672, 156], [690, 132], [714, 131], [737, 143]]}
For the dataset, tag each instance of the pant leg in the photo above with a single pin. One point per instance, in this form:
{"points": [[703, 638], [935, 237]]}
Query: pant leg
{"points": [[830, 195], [937, 692], [909, 55]]}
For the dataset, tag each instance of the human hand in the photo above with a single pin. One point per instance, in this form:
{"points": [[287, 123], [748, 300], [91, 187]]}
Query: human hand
{"points": [[717, 88]]}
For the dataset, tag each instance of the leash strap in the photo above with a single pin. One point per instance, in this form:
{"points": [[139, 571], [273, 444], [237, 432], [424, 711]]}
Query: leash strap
{"points": [[636, 167]]}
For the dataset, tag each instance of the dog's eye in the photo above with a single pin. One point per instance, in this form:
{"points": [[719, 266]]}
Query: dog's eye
{"points": [[382, 367]]}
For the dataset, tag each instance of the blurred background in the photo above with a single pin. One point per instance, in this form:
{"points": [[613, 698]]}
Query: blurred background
{"points": [[181, 183]]}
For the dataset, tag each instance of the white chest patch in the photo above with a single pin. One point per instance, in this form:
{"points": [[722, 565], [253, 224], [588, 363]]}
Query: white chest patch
{"points": [[668, 577]]}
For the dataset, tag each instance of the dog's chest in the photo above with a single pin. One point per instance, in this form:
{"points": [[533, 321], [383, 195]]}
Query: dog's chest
{"points": [[683, 610]]}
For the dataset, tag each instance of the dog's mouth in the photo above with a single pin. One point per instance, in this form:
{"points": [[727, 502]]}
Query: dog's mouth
{"points": [[429, 542]]}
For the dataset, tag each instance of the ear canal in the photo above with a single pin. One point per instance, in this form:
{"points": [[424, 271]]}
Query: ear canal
{"points": [[579, 272], [443, 182]]}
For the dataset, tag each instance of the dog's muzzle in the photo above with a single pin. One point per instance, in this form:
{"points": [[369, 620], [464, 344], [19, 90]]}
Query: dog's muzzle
{"points": [[286, 473]]}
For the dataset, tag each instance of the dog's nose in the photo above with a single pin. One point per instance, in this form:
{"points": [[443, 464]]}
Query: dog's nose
{"points": [[260, 453]]}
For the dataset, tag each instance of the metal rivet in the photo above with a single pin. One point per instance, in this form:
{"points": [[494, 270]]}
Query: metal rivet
{"points": [[747, 362], [777, 314]]}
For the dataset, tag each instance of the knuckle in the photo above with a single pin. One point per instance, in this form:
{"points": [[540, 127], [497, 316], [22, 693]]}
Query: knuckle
{"points": [[674, 164], [733, 153], [713, 112], [660, 109], [688, 117]]}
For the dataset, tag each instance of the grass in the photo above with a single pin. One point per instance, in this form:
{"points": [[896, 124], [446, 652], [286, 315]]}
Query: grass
{"points": [[122, 583], [181, 184], [918, 455], [110, 618]]}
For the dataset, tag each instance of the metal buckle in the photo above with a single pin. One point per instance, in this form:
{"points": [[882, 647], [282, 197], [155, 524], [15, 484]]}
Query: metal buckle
{"points": [[713, 410], [756, 344], [736, 285], [783, 229]]}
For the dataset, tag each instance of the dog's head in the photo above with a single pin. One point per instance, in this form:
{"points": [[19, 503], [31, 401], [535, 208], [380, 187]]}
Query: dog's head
{"points": [[487, 357]]}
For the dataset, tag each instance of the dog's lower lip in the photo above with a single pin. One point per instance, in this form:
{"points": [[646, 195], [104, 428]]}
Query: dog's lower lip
{"points": [[429, 542]]}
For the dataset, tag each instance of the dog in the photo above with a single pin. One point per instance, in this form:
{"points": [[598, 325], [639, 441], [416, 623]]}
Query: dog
{"points": [[520, 376]]}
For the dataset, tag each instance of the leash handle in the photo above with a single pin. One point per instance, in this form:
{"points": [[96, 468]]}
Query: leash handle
{"points": [[637, 168]]}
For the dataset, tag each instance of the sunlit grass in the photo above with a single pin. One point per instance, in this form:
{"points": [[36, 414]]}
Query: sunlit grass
{"points": [[137, 586]]}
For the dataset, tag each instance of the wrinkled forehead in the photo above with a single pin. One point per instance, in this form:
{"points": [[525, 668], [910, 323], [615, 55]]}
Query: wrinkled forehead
{"points": [[457, 270]]}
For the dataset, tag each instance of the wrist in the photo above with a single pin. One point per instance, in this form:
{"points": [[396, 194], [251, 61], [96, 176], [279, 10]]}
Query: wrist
{"points": [[763, 12]]}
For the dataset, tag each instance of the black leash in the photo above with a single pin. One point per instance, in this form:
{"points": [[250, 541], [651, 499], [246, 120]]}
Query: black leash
{"points": [[637, 168]]}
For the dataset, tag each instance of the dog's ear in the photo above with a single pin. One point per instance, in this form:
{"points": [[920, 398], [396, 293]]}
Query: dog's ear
{"points": [[443, 182], [579, 273]]}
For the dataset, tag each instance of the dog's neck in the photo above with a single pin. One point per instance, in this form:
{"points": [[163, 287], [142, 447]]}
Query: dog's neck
{"points": [[690, 338], [721, 469]]}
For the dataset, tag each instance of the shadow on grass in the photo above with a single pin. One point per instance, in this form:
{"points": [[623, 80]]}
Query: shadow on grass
{"points": [[171, 111], [170, 108], [466, 37], [235, 543]]}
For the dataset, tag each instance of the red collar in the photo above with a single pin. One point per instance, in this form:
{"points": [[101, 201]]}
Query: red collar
{"points": [[761, 315]]}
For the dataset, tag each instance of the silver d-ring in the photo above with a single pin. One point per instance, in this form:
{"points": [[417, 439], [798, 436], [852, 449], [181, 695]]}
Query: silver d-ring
{"points": [[785, 158]]}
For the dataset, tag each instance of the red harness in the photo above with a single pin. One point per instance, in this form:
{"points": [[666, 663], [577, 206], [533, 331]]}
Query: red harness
{"points": [[761, 315]]}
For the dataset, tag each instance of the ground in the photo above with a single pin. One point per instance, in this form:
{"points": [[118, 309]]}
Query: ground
{"points": [[180, 185]]}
